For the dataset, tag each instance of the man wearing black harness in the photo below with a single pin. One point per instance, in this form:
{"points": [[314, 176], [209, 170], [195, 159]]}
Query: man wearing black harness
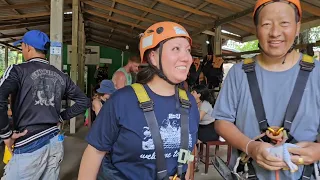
{"points": [[36, 89], [276, 90]]}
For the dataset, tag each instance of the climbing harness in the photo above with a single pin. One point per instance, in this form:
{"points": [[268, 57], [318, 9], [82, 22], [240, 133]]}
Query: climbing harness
{"points": [[275, 135], [147, 105]]}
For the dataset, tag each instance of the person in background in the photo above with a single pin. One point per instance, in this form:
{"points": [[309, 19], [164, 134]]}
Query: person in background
{"points": [[122, 77], [103, 94], [205, 103], [206, 131], [36, 89]]}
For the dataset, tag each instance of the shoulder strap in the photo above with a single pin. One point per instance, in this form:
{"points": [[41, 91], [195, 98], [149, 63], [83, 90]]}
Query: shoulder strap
{"points": [[185, 155], [249, 68], [146, 104], [306, 66]]}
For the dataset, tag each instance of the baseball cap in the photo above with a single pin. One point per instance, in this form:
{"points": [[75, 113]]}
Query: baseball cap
{"points": [[106, 87], [36, 39]]}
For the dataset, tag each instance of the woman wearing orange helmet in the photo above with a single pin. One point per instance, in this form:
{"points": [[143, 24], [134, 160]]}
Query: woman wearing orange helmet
{"points": [[137, 133], [277, 91]]}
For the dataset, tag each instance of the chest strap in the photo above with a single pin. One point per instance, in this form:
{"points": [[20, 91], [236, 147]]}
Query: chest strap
{"points": [[306, 66], [147, 105]]}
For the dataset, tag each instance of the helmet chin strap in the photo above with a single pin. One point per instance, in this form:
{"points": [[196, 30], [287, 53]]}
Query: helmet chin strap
{"points": [[289, 51], [160, 71]]}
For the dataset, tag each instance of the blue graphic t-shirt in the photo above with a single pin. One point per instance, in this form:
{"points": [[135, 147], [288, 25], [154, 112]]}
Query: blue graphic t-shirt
{"points": [[121, 129]]}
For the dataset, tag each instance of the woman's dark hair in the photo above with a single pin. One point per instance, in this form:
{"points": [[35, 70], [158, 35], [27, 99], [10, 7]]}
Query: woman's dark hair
{"points": [[146, 74], [205, 93]]}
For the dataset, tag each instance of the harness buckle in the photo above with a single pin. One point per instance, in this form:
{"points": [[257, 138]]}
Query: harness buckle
{"points": [[306, 66], [248, 67], [185, 156], [185, 103], [146, 106]]}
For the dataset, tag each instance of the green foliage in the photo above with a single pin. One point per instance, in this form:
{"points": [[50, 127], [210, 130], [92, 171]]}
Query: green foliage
{"points": [[248, 46], [12, 55]]}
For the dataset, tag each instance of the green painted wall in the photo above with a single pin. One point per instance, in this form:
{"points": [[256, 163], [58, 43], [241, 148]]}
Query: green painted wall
{"points": [[105, 52]]}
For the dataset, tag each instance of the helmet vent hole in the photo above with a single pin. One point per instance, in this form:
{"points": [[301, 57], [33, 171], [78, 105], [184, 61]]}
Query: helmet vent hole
{"points": [[159, 30]]}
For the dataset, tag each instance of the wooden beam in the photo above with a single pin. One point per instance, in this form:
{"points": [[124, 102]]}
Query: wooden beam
{"points": [[244, 28], [227, 20], [30, 5], [56, 32], [105, 35], [106, 16], [224, 35], [187, 8], [159, 13], [126, 31], [146, 13], [110, 44], [81, 52], [204, 4], [225, 5], [74, 54], [26, 25], [6, 57], [31, 15], [217, 48], [233, 17], [24, 5], [312, 9], [9, 45], [104, 7], [66, 35], [121, 43]]}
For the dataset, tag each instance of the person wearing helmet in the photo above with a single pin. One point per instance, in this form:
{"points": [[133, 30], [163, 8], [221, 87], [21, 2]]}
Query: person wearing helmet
{"points": [[135, 139], [273, 95]]}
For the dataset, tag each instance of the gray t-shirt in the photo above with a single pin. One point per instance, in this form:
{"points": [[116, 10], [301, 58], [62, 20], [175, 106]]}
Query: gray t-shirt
{"points": [[206, 107], [234, 104]]}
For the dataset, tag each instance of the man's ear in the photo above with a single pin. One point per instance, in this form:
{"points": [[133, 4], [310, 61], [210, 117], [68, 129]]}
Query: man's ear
{"points": [[298, 29]]}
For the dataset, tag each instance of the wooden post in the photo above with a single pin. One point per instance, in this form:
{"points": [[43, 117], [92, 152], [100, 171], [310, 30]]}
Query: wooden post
{"points": [[6, 57], [81, 53], [74, 54], [217, 41], [56, 33]]}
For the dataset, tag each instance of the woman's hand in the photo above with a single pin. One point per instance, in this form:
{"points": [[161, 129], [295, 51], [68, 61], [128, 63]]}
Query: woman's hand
{"points": [[257, 150], [306, 154]]}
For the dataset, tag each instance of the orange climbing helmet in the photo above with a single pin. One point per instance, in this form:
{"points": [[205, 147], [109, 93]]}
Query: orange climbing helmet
{"points": [[159, 32], [260, 3]]}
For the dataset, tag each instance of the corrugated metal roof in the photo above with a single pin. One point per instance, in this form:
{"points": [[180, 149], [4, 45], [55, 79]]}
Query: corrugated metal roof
{"points": [[129, 12]]}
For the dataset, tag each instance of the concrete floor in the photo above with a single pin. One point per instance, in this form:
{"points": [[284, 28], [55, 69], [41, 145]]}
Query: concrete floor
{"points": [[75, 145]]}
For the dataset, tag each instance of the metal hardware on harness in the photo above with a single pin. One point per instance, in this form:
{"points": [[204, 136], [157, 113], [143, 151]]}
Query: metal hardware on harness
{"points": [[147, 106], [306, 66], [185, 104], [185, 156]]}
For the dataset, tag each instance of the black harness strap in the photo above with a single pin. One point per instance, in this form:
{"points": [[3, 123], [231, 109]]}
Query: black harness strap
{"points": [[305, 68], [184, 121], [256, 95], [296, 97], [147, 105], [152, 122]]}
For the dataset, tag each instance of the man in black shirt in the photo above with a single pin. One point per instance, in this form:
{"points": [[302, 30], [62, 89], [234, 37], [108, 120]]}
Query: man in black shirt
{"points": [[36, 88]]}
